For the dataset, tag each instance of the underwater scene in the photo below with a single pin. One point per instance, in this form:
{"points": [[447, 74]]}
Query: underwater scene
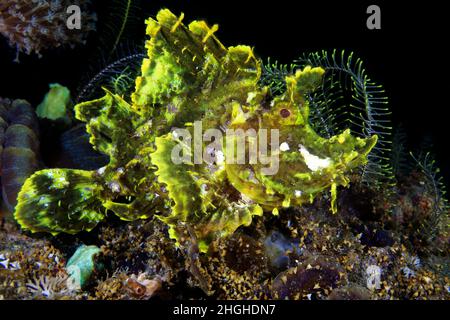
{"points": [[196, 150]]}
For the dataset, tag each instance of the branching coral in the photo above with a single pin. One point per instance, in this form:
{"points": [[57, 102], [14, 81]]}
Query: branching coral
{"points": [[189, 78], [33, 26], [48, 287]]}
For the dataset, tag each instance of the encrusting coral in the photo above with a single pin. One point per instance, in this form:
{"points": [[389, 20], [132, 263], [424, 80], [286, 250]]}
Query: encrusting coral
{"points": [[189, 78]]}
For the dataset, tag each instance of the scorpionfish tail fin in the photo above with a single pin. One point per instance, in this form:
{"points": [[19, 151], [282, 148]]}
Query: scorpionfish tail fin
{"points": [[59, 200]]}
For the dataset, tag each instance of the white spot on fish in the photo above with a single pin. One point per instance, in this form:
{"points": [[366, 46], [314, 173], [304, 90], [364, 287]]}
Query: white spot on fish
{"points": [[284, 146], [114, 186], [313, 162], [203, 188], [251, 96], [220, 157]]}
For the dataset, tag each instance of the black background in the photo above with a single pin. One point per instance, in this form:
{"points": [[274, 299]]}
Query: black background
{"points": [[408, 55]]}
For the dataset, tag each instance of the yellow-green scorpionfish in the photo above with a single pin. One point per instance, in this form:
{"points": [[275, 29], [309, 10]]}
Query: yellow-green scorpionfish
{"points": [[191, 84]]}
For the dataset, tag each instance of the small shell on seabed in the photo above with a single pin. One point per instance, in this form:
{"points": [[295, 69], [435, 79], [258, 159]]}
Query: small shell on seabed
{"points": [[141, 287]]}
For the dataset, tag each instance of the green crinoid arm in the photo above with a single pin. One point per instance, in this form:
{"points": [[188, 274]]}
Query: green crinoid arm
{"points": [[59, 200]]}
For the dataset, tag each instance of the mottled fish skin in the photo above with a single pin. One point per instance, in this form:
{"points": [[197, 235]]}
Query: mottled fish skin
{"points": [[188, 77]]}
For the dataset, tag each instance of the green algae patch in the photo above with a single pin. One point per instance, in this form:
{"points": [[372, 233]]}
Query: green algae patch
{"points": [[82, 264], [56, 104]]}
